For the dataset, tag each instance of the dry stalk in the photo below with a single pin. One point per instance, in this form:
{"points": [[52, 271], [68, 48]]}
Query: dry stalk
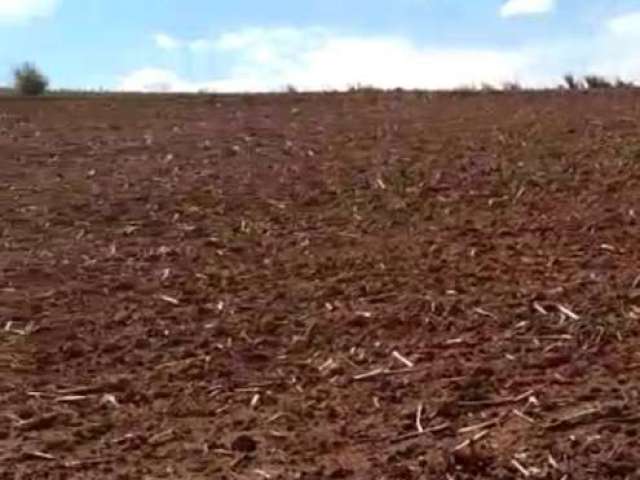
{"points": [[383, 372], [85, 463], [573, 419], [524, 417], [186, 361], [497, 402], [162, 437], [554, 464], [470, 441], [525, 473], [71, 399], [484, 313], [39, 455], [83, 390], [38, 423], [540, 309], [168, 299], [419, 419], [483, 425], [409, 436], [564, 310], [405, 361]]}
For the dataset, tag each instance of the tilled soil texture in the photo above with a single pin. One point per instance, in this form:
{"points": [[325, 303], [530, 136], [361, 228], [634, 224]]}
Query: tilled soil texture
{"points": [[358, 286]]}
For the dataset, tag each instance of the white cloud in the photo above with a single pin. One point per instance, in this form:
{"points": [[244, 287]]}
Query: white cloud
{"points": [[200, 45], [154, 80], [615, 54], [268, 59], [514, 8], [283, 36], [167, 81], [166, 42], [625, 25], [316, 59], [17, 11]]}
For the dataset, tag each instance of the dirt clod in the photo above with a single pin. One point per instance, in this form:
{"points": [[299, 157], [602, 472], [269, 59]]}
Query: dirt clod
{"points": [[244, 444]]}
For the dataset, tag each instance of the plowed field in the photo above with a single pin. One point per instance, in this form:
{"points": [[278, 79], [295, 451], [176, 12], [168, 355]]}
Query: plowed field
{"points": [[357, 286]]}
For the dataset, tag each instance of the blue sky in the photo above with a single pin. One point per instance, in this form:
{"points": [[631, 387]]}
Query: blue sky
{"points": [[317, 44]]}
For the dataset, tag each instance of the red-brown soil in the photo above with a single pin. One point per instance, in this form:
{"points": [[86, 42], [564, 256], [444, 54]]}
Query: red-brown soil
{"points": [[272, 287]]}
